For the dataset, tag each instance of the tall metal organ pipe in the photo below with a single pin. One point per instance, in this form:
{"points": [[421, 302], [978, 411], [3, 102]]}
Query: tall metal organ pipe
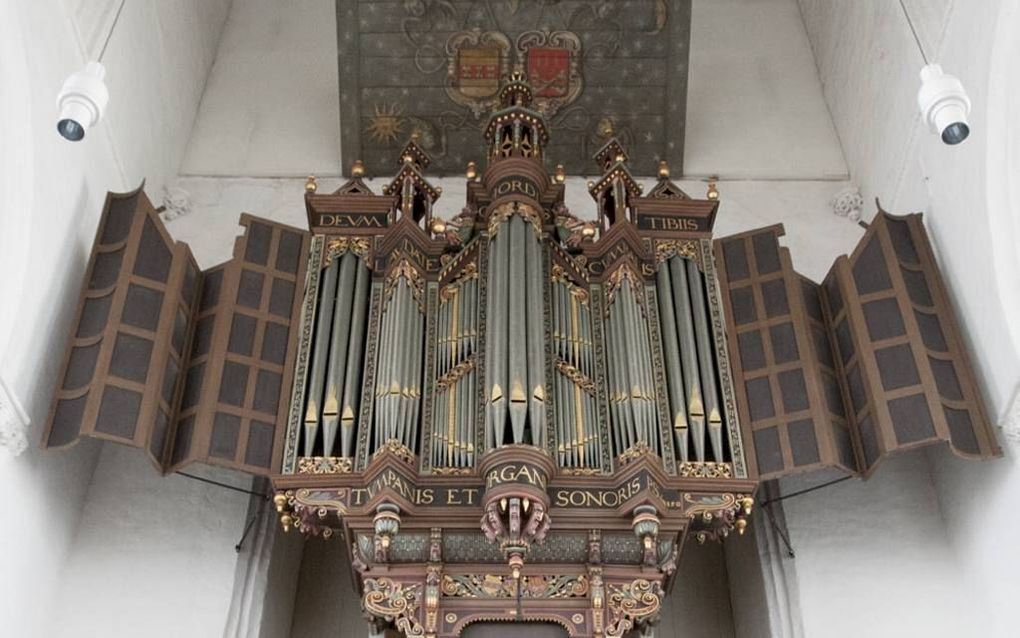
{"points": [[334, 380], [399, 364], [578, 444], [632, 390], [690, 360], [514, 341], [457, 344]]}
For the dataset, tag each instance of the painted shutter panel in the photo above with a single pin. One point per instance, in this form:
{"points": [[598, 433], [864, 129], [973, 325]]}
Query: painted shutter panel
{"points": [[186, 365], [788, 396], [235, 401], [906, 371], [839, 375], [122, 367]]}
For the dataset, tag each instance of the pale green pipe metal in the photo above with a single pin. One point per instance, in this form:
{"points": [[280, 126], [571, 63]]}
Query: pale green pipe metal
{"points": [[688, 356], [317, 375], [355, 361]]}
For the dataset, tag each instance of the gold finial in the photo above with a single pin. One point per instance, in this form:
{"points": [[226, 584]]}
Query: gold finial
{"points": [[741, 525], [408, 159], [415, 135], [588, 230], [358, 168], [663, 169], [280, 500], [561, 174], [438, 226], [310, 184], [713, 192], [472, 170]]}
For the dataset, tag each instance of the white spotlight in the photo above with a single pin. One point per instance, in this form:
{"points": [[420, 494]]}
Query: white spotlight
{"points": [[944, 104], [81, 101]]}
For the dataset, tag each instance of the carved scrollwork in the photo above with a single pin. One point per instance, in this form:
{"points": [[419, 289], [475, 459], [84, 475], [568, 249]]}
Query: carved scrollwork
{"points": [[394, 602], [507, 210], [505, 586], [705, 469], [396, 448], [325, 465], [414, 280], [360, 246], [631, 603], [615, 281], [686, 248]]}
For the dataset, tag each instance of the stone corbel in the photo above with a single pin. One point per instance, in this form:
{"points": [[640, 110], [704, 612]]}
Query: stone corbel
{"points": [[847, 203]]}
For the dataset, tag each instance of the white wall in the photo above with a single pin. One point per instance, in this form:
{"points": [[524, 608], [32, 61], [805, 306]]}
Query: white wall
{"points": [[814, 235], [51, 197], [755, 108], [874, 558], [868, 63], [154, 555], [272, 105]]}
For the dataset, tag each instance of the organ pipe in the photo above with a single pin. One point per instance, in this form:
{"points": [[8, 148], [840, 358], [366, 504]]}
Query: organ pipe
{"points": [[690, 360], [399, 367], [688, 355], [632, 389], [515, 351], [334, 381], [578, 444], [453, 420]]}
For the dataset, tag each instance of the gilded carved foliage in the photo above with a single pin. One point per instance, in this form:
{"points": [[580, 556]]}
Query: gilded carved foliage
{"points": [[631, 603], [505, 586], [394, 602], [325, 465]]}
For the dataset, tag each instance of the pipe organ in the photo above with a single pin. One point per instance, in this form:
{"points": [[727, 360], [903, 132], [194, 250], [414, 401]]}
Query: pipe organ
{"points": [[518, 412]]}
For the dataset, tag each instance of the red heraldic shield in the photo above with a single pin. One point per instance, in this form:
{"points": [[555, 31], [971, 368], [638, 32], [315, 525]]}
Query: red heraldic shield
{"points": [[549, 71]]}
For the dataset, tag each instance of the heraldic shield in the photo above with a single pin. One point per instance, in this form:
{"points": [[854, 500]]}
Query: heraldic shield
{"points": [[476, 63], [552, 62]]}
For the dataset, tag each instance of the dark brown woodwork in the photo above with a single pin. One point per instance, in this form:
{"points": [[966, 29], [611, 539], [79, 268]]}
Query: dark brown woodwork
{"points": [[123, 364], [242, 362], [791, 406], [840, 375], [187, 365], [904, 365]]}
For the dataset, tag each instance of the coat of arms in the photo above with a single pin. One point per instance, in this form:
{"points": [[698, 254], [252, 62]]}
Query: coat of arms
{"points": [[552, 62], [477, 62]]}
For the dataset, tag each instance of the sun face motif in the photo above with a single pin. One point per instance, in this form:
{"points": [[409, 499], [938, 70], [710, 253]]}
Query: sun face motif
{"points": [[386, 124]]}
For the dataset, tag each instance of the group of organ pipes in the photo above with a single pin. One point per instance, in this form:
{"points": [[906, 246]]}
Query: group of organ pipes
{"points": [[515, 322]]}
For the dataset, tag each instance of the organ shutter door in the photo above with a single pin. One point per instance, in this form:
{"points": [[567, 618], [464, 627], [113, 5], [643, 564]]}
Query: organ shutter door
{"points": [[186, 365], [839, 375]]}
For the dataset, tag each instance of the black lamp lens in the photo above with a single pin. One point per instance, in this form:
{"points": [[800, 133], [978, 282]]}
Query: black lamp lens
{"points": [[955, 133], [70, 130]]}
